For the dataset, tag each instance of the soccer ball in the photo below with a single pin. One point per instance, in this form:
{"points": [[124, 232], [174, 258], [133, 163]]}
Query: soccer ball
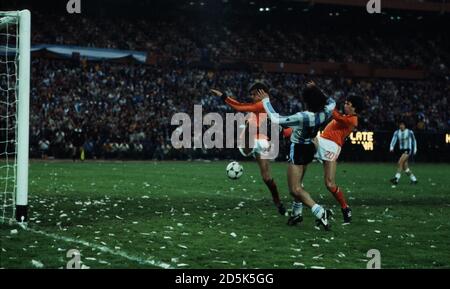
{"points": [[234, 170]]}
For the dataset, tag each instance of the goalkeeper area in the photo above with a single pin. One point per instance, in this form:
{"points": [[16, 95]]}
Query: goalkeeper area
{"points": [[190, 215]]}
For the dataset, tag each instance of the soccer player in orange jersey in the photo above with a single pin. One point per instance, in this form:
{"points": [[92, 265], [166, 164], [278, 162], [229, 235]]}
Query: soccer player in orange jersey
{"points": [[258, 117], [329, 145]]}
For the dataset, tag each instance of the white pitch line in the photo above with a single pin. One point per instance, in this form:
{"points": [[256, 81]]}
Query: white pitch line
{"points": [[104, 249]]}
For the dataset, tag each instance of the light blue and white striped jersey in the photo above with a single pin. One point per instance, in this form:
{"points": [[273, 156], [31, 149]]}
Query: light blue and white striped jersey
{"points": [[305, 125], [406, 140]]}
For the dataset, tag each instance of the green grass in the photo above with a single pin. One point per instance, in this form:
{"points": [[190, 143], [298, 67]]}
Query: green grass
{"points": [[186, 214]]}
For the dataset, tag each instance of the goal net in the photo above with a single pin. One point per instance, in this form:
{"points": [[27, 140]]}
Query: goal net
{"points": [[14, 114]]}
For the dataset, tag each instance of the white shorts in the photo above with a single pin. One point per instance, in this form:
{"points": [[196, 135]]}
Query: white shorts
{"points": [[327, 150], [262, 146]]}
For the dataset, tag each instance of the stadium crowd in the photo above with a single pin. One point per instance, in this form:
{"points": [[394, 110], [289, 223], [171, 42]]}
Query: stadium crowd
{"points": [[186, 39], [126, 109]]}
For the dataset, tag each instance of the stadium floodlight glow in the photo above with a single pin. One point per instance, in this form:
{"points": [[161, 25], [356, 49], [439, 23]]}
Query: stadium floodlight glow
{"points": [[261, 9], [15, 31], [267, 9]]}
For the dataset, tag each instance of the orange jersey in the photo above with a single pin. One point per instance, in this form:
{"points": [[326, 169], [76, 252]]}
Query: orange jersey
{"points": [[256, 107], [340, 127], [258, 117]]}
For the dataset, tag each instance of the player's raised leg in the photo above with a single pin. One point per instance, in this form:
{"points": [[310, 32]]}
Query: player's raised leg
{"points": [[330, 183], [264, 168]]}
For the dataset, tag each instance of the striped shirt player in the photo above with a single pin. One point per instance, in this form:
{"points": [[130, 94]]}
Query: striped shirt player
{"points": [[406, 141], [407, 147], [305, 126]]}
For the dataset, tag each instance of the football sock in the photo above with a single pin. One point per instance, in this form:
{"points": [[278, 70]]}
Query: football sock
{"points": [[297, 208], [339, 196], [411, 175], [274, 191], [397, 176], [317, 211]]}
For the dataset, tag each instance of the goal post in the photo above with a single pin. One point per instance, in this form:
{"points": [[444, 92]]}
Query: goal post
{"points": [[23, 115], [15, 38]]}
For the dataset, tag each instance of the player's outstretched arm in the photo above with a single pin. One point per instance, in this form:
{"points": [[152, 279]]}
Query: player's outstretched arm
{"points": [[326, 113], [273, 115], [301, 118], [319, 118], [239, 106], [291, 120]]}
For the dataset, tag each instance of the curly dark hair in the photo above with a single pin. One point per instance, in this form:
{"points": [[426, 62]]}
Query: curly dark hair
{"points": [[357, 102], [314, 98]]}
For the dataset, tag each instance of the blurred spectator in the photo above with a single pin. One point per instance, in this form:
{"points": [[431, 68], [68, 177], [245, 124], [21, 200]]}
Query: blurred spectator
{"points": [[44, 146], [125, 109]]}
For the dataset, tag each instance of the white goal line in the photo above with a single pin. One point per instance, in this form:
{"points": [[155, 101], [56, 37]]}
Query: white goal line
{"points": [[105, 249]]}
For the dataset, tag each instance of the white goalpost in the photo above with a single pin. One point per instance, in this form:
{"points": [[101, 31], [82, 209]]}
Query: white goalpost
{"points": [[15, 35]]}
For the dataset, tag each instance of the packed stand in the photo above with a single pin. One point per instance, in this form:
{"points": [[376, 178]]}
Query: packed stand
{"points": [[124, 110]]}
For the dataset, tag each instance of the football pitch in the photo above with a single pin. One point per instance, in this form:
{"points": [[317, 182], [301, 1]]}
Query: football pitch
{"points": [[190, 215]]}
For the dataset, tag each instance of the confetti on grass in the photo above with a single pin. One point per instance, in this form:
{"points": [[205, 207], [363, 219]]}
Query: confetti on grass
{"points": [[221, 262], [37, 264], [317, 257]]}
